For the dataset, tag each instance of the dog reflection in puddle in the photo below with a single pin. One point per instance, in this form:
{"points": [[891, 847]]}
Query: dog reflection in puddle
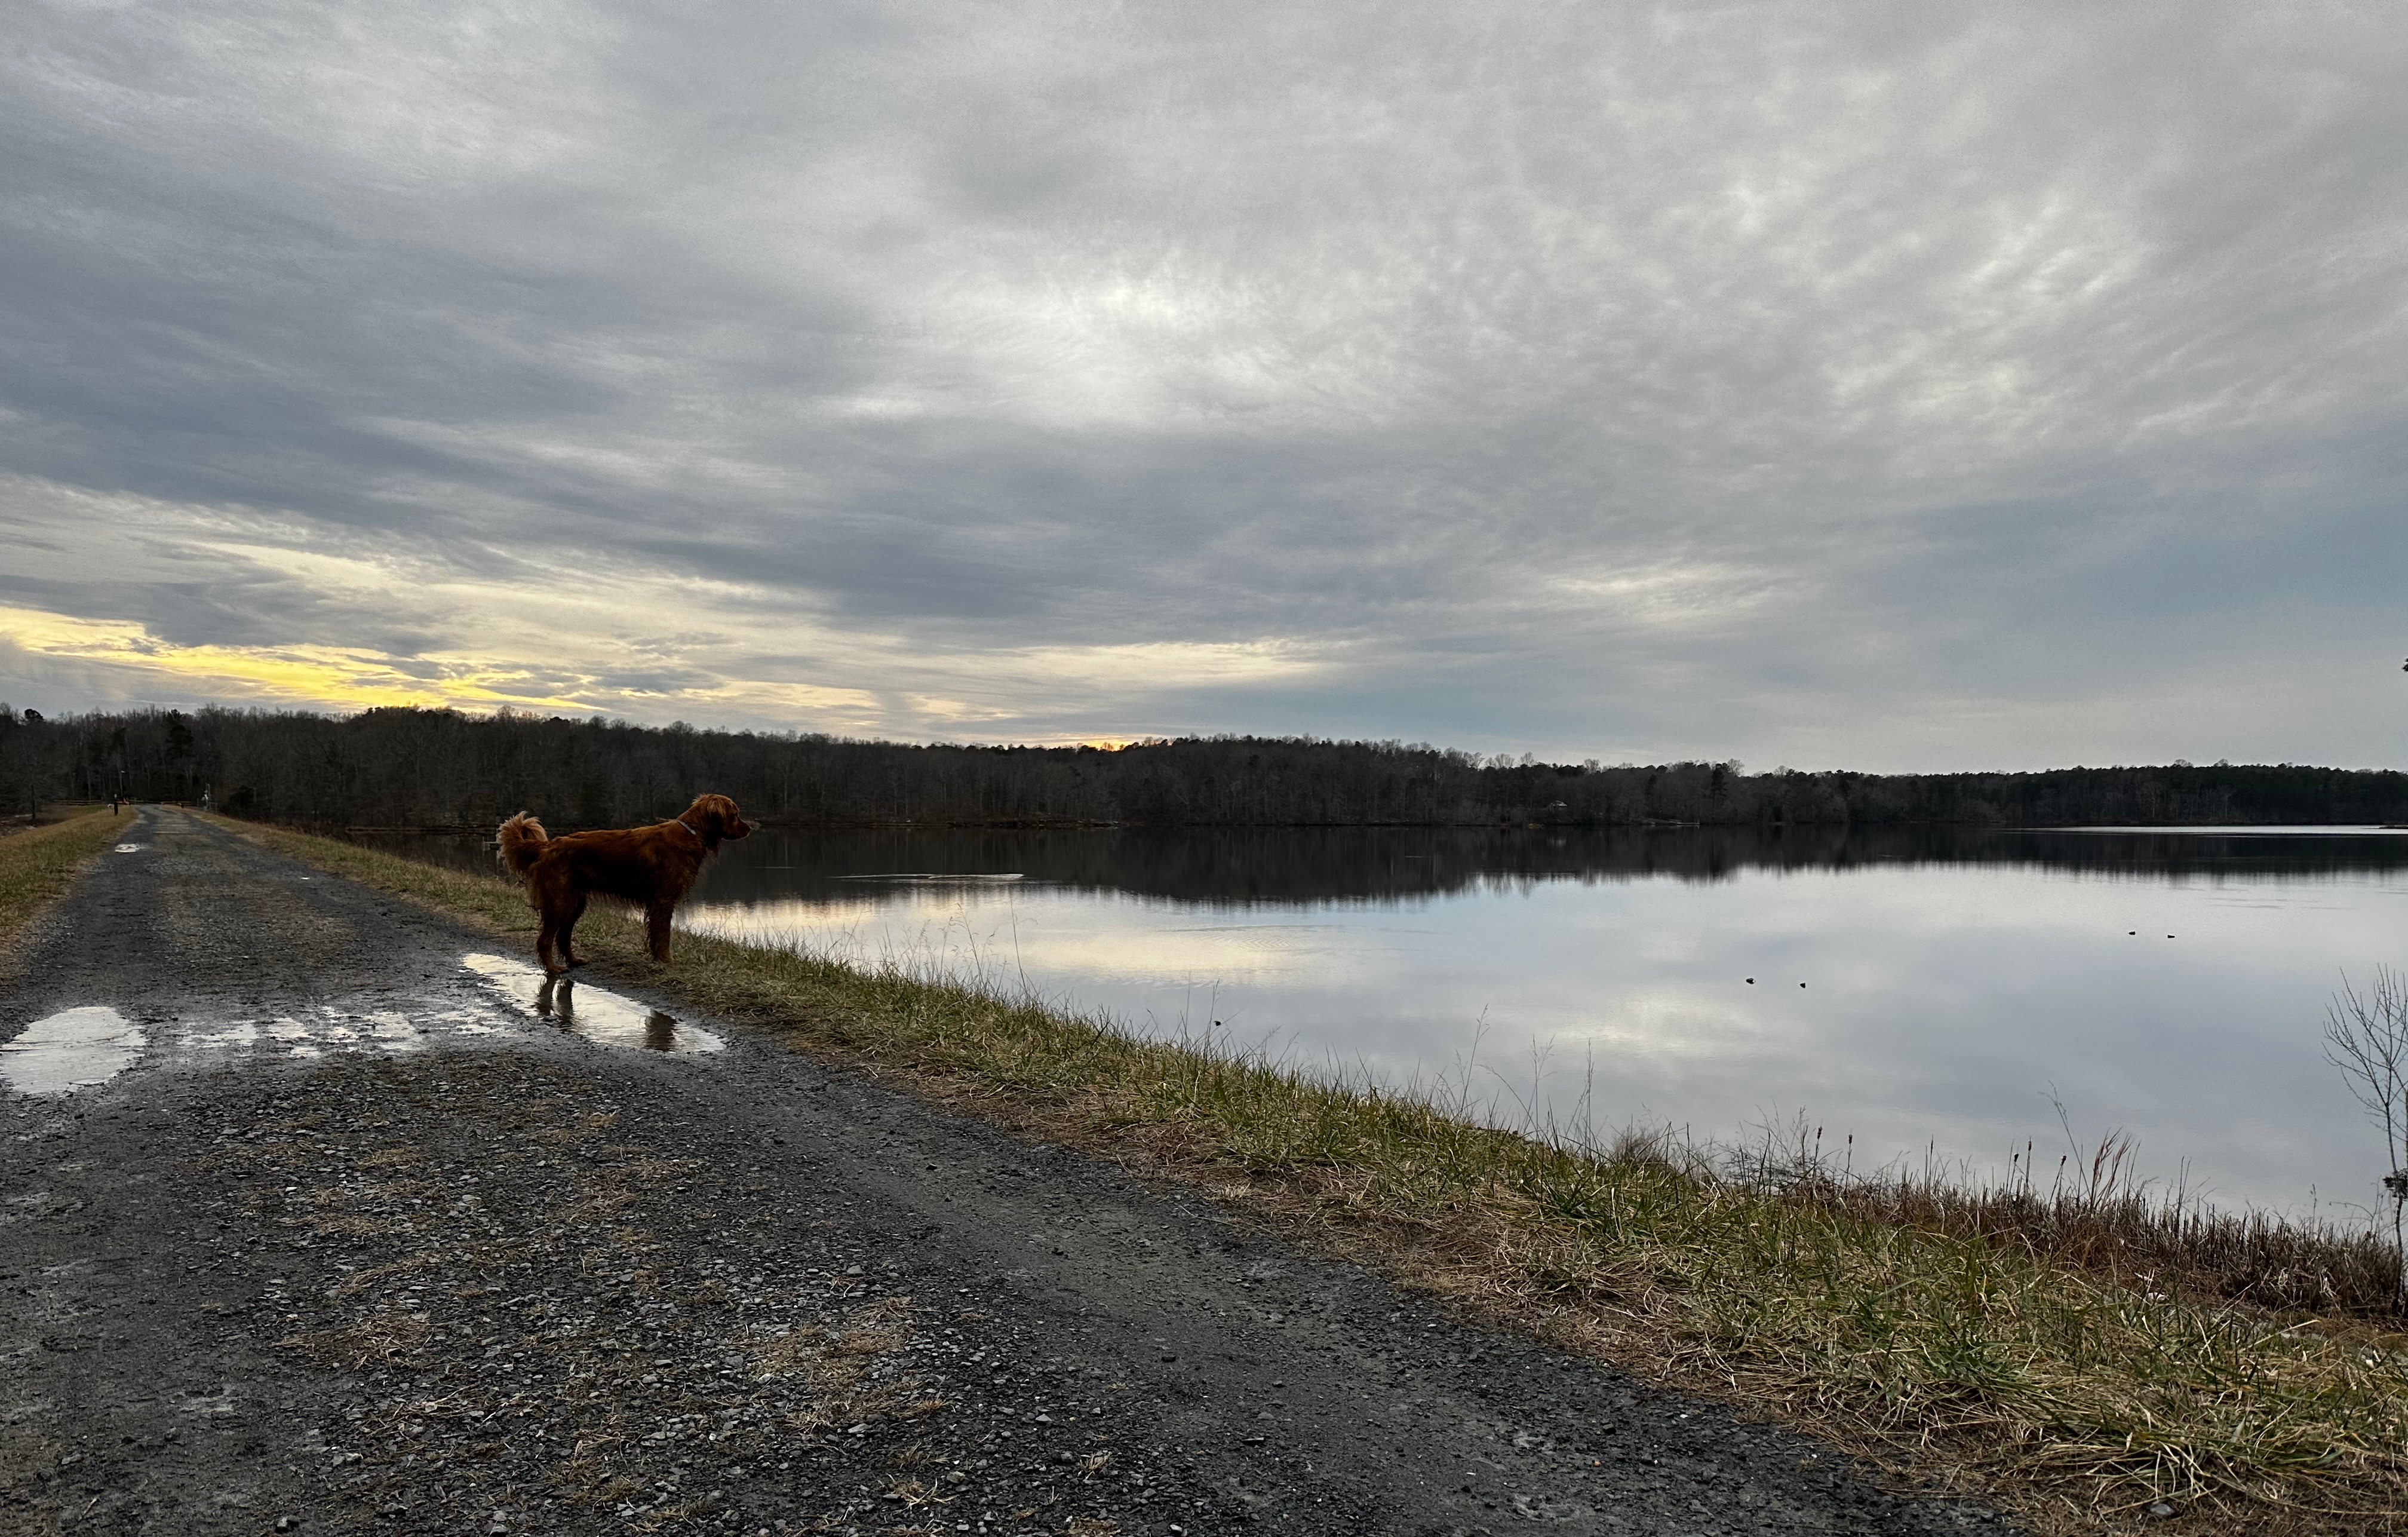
{"points": [[592, 1014], [556, 1000]]}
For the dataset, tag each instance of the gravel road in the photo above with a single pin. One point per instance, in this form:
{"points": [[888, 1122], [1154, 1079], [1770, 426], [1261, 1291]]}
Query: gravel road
{"points": [[316, 1216]]}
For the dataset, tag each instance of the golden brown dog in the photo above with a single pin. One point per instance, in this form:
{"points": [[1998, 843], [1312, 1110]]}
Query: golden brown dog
{"points": [[653, 866]]}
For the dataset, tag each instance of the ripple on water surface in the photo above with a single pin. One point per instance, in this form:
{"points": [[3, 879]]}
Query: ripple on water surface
{"points": [[71, 1050], [598, 1015]]}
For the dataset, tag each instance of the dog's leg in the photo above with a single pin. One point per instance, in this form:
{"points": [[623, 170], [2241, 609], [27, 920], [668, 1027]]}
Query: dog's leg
{"points": [[545, 930], [568, 936], [656, 927]]}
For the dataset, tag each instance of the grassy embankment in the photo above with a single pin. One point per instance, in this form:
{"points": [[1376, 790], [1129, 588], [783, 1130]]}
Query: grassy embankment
{"points": [[37, 862], [2080, 1355]]}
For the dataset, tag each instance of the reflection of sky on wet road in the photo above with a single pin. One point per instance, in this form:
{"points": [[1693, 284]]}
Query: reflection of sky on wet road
{"points": [[1943, 1005], [72, 1049], [590, 1011]]}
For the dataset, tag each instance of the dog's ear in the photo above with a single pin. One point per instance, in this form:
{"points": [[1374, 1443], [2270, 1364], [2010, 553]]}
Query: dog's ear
{"points": [[731, 820], [719, 814]]}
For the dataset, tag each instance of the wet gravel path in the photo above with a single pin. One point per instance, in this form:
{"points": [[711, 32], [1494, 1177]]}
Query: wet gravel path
{"points": [[362, 1239]]}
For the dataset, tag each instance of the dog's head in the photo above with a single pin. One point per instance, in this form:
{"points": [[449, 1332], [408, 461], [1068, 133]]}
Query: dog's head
{"points": [[716, 818]]}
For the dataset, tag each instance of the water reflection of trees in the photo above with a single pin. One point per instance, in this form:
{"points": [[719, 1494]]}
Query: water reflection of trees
{"points": [[1341, 864]]}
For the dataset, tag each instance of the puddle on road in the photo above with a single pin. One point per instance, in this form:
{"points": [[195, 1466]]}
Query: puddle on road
{"points": [[602, 1017], [81, 1047], [129, 848], [333, 1029], [71, 1050]]}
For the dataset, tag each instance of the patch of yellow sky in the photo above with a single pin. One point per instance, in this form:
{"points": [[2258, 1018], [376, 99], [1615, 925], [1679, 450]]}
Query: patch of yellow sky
{"points": [[295, 674], [339, 677], [505, 637]]}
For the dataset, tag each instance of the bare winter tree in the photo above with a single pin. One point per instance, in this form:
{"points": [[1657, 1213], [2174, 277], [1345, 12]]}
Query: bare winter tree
{"points": [[2366, 1037]]}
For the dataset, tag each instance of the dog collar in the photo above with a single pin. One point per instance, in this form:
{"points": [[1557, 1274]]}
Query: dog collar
{"points": [[688, 826]]}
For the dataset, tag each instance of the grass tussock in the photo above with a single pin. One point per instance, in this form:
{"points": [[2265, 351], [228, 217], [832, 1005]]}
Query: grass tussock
{"points": [[37, 863], [2098, 1217], [2083, 1356]]}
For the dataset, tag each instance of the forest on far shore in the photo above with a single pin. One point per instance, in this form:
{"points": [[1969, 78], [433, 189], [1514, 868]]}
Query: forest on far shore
{"points": [[412, 769]]}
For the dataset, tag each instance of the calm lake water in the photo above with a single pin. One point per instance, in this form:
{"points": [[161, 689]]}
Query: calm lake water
{"points": [[1958, 987]]}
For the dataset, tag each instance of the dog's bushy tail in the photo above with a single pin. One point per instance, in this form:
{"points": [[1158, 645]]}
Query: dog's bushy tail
{"points": [[522, 839]]}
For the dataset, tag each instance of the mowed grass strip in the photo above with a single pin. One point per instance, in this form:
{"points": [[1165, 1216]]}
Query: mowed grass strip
{"points": [[37, 865], [2078, 1400]]}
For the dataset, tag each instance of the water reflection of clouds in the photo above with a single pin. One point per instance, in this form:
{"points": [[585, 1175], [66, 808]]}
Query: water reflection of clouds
{"points": [[1061, 932], [1945, 1004], [75, 1048]]}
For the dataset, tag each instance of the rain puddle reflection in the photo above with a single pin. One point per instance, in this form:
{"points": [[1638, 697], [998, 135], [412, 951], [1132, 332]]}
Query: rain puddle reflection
{"points": [[71, 1050], [332, 1029], [602, 1017]]}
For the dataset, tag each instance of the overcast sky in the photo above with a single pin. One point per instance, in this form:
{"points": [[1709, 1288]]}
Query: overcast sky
{"points": [[1882, 386]]}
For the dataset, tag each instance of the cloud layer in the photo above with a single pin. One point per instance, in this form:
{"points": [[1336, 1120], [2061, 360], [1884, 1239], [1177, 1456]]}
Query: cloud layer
{"points": [[1882, 387]]}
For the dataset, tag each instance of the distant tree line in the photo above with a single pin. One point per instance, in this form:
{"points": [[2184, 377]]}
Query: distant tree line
{"points": [[406, 767]]}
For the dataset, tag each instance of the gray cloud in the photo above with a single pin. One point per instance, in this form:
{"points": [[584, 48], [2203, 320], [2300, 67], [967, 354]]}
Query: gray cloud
{"points": [[1885, 386]]}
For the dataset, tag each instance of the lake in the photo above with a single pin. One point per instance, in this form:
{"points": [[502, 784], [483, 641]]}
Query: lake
{"points": [[1935, 994]]}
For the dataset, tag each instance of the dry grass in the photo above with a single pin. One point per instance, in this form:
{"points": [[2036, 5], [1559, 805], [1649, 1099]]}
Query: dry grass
{"points": [[37, 864], [2079, 1356], [49, 816], [2096, 1217]]}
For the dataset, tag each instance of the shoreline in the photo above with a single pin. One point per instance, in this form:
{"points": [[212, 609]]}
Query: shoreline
{"points": [[2004, 1341]]}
